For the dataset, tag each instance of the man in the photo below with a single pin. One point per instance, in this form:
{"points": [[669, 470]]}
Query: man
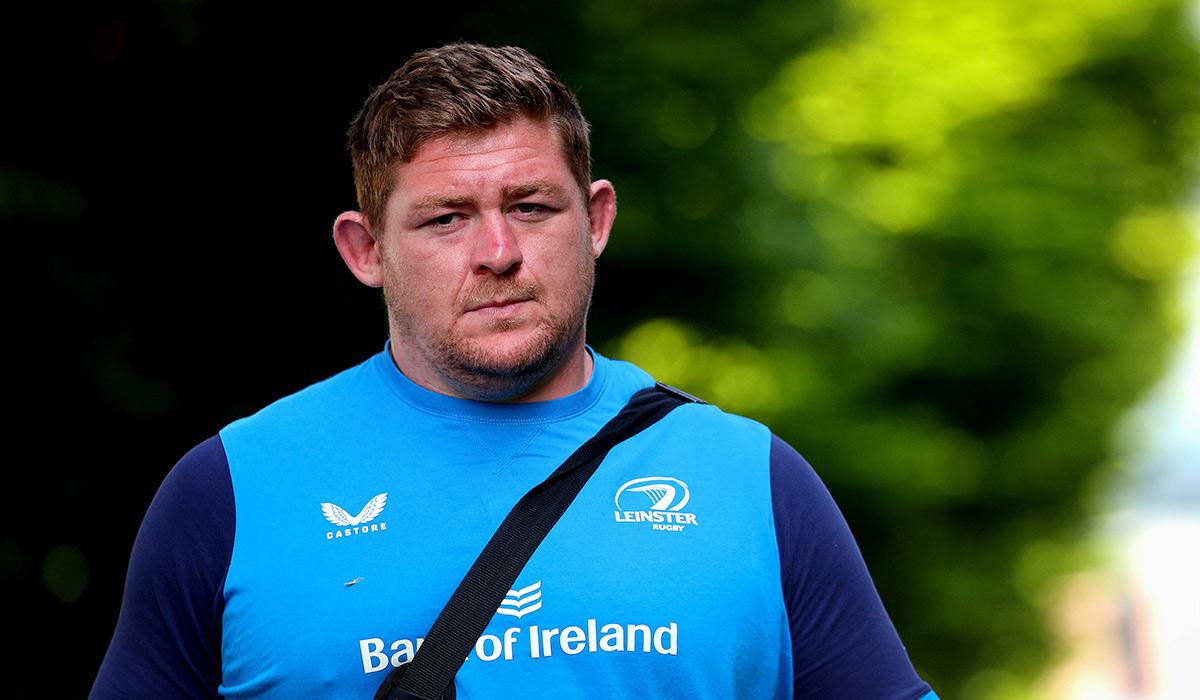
{"points": [[306, 550]]}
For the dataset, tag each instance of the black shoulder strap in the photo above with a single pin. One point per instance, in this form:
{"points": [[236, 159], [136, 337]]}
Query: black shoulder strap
{"points": [[474, 602]]}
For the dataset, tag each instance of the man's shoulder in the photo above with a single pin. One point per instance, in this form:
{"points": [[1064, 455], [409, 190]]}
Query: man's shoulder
{"points": [[323, 398], [634, 378], [699, 424], [709, 423]]}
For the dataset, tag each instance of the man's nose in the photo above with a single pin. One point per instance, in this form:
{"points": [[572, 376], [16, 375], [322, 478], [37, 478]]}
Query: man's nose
{"points": [[496, 247]]}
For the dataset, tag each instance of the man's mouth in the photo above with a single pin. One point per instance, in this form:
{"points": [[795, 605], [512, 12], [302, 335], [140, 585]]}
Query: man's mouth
{"points": [[498, 303], [501, 308]]}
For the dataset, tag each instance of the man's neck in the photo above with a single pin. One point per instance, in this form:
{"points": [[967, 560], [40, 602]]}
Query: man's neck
{"points": [[568, 376]]}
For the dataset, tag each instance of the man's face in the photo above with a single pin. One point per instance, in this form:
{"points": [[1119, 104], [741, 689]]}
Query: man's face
{"points": [[487, 261]]}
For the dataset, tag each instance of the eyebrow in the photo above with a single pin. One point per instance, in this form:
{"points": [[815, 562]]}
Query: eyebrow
{"points": [[542, 186], [442, 202], [519, 191]]}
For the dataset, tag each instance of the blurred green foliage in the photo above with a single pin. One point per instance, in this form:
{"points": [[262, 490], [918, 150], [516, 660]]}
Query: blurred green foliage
{"points": [[933, 245]]}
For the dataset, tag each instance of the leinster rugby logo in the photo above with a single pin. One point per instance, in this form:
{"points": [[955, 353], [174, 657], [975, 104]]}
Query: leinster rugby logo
{"points": [[658, 500], [354, 524]]}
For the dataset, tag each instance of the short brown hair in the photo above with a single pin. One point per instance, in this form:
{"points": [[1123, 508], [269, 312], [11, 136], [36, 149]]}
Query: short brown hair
{"points": [[457, 88]]}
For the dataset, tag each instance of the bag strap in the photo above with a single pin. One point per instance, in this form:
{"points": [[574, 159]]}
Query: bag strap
{"points": [[476, 599]]}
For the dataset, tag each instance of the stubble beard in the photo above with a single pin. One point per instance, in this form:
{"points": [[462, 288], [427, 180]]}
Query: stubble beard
{"points": [[473, 368]]}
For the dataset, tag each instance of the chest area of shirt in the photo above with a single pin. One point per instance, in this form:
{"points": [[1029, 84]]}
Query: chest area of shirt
{"points": [[344, 558]]}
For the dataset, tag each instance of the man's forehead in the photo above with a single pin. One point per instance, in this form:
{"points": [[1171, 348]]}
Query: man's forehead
{"points": [[469, 141], [521, 157]]}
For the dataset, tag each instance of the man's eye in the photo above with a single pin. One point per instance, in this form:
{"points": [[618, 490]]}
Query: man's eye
{"points": [[443, 220], [531, 208]]}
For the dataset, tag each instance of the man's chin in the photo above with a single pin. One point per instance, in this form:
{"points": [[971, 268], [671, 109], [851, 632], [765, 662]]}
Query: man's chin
{"points": [[500, 369], [507, 362]]}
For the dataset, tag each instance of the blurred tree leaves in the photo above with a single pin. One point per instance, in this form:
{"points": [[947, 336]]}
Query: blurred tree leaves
{"points": [[932, 245]]}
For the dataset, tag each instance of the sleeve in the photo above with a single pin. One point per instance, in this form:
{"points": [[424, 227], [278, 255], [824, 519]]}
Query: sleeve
{"points": [[168, 638], [843, 643]]}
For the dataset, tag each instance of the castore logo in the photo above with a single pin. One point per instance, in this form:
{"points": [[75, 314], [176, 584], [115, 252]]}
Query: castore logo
{"points": [[355, 524]]}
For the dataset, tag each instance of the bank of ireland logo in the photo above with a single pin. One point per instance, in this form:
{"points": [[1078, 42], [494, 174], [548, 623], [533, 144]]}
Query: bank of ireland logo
{"points": [[657, 500], [350, 525], [548, 638], [521, 602]]}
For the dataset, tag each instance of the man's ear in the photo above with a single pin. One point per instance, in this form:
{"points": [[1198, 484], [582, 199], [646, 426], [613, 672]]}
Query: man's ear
{"points": [[359, 248], [602, 209]]}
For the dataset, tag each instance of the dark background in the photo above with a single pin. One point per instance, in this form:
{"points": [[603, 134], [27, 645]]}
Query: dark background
{"points": [[172, 172]]}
